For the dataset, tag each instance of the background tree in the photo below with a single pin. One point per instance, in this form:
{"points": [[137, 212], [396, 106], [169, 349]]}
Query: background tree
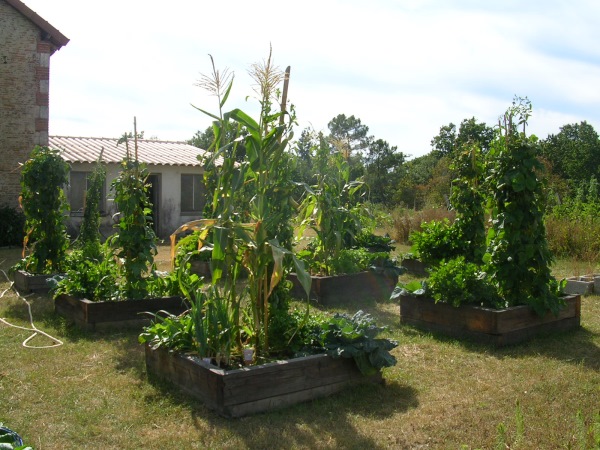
{"points": [[203, 139], [574, 152], [349, 137], [417, 173], [383, 171], [470, 131]]}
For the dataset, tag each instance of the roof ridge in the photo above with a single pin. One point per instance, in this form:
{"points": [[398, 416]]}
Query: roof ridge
{"points": [[56, 37], [116, 139]]}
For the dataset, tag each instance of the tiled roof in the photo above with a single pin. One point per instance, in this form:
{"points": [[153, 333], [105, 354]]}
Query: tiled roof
{"points": [[87, 150], [53, 35]]}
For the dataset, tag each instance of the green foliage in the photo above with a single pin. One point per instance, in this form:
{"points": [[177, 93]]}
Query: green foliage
{"points": [[134, 243], [383, 171], [192, 247], [356, 260], [573, 226], [10, 440], [89, 235], [251, 205], [374, 242], [355, 337], [574, 152], [518, 259], [470, 132], [437, 240], [332, 209], [412, 288], [96, 279], [458, 282], [293, 331], [171, 332], [42, 179], [99, 278], [348, 137], [468, 199], [215, 326], [347, 261], [12, 226]]}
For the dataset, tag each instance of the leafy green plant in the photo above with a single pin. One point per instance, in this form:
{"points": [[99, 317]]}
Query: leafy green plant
{"points": [[458, 282], [468, 199], [96, 279], [9, 440], [215, 327], [436, 240], [355, 337], [517, 257], [134, 243], [43, 201], [294, 331], [169, 331], [192, 247]]}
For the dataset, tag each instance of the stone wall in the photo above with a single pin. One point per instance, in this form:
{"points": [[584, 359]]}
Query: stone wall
{"points": [[24, 88]]}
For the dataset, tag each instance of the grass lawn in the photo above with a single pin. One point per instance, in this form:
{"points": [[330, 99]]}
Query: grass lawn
{"points": [[92, 392]]}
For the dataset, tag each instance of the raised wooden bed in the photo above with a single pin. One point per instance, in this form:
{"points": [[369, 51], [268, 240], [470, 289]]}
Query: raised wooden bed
{"points": [[28, 282], [253, 389], [415, 266], [337, 289], [498, 327], [95, 315], [201, 268]]}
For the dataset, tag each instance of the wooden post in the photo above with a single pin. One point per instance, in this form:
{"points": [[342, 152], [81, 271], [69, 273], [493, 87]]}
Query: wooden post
{"points": [[286, 82]]}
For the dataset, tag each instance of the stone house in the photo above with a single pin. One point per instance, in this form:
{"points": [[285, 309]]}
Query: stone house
{"points": [[177, 190], [26, 44]]}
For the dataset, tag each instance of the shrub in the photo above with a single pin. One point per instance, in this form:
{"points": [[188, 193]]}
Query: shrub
{"points": [[437, 240], [12, 226]]}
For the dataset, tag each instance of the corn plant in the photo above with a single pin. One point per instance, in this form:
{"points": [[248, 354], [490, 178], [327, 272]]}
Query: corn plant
{"points": [[331, 208], [250, 205]]}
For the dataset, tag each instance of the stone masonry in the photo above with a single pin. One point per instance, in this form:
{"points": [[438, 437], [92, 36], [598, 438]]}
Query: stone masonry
{"points": [[26, 44]]}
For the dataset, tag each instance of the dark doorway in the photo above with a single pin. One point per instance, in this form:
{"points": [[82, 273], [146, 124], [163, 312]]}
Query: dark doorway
{"points": [[154, 197]]}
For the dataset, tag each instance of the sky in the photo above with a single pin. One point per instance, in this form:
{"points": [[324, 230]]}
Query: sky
{"points": [[405, 68]]}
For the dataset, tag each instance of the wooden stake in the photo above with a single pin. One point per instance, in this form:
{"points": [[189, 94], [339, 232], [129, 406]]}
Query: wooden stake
{"points": [[286, 82]]}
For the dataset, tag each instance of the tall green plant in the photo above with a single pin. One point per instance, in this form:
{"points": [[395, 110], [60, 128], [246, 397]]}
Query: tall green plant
{"points": [[44, 203], [332, 209], [135, 242], [89, 233], [518, 259], [468, 199], [251, 233]]}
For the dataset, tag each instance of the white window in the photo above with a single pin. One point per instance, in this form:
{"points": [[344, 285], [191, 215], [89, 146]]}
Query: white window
{"points": [[192, 193]]}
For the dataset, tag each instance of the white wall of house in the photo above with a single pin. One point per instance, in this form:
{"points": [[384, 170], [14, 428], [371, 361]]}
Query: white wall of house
{"points": [[168, 198]]}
